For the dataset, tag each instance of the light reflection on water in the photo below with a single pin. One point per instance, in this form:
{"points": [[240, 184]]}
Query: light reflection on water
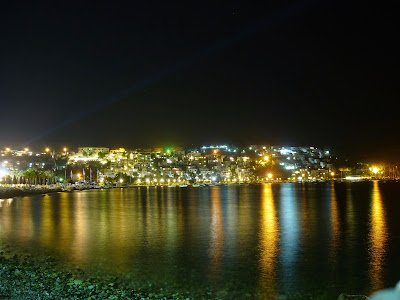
{"points": [[217, 233], [335, 227], [268, 239], [290, 233], [377, 239]]}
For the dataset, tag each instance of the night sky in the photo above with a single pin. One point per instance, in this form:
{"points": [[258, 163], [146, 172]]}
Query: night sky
{"points": [[322, 73]]}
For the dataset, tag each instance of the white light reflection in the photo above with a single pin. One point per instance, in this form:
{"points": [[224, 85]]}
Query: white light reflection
{"points": [[290, 233]]}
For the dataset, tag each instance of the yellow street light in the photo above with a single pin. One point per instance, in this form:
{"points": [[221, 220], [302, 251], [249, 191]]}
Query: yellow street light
{"points": [[266, 158], [269, 175], [47, 149], [375, 170]]}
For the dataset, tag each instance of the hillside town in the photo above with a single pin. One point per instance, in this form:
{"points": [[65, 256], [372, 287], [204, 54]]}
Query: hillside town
{"points": [[205, 165]]}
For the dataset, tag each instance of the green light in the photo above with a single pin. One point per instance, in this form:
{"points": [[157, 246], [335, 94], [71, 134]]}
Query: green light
{"points": [[60, 179], [168, 151]]}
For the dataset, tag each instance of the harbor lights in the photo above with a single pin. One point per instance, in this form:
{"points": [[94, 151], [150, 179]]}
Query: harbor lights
{"points": [[269, 176], [375, 171]]}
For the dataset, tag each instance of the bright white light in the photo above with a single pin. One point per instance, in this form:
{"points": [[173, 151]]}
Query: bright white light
{"points": [[3, 172], [354, 178], [285, 151]]}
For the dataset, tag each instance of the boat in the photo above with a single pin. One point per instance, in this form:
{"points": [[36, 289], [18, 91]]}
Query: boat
{"points": [[183, 185], [196, 185], [172, 186]]}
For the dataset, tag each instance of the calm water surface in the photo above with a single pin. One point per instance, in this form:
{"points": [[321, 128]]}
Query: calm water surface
{"points": [[272, 239]]}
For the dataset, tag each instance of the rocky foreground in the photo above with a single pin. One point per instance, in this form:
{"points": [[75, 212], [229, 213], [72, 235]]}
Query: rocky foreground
{"points": [[26, 190], [28, 278], [23, 277]]}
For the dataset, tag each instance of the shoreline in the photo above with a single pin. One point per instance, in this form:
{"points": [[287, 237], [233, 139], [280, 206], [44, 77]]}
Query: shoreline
{"points": [[25, 190], [13, 191]]}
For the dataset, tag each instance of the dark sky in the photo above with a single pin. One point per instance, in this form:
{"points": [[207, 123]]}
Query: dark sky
{"points": [[160, 73]]}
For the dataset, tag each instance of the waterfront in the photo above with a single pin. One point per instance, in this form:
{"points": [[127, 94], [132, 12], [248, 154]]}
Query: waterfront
{"points": [[234, 241]]}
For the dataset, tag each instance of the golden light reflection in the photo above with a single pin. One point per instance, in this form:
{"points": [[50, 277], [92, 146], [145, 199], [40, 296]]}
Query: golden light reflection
{"points": [[64, 224], [216, 231], [80, 238], [350, 218], [47, 227], [269, 239], [335, 226], [377, 239]]}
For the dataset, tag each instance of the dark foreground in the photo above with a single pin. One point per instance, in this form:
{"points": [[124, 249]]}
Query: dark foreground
{"points": [[24, 277]]}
